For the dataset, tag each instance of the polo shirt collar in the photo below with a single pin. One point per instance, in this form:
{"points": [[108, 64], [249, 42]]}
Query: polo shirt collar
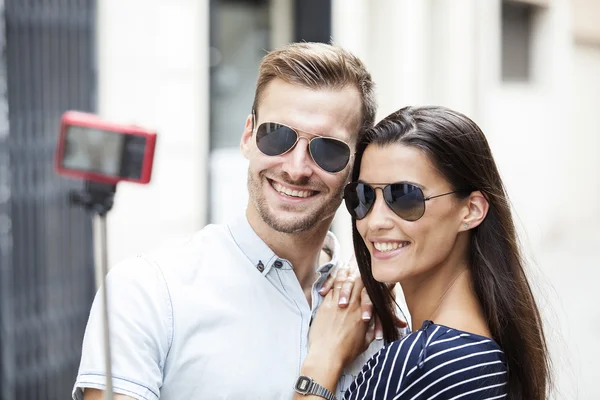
{"points": [[264, 259]]}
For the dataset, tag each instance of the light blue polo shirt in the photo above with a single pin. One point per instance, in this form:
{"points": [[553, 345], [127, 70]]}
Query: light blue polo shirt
{"points": [[218, 316]]}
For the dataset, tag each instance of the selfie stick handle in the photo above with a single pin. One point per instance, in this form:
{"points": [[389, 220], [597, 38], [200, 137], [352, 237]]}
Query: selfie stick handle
{"points": [[97, 198]]}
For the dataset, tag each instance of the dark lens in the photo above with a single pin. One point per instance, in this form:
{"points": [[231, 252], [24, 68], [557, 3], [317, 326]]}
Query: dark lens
{"points": [[274, 139], [405, 200], [359, 198], [330, 154]]}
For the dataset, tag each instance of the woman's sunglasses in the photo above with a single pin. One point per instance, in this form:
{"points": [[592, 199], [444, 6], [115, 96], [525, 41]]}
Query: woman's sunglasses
{"points": [[404, 199], [275, 139]]}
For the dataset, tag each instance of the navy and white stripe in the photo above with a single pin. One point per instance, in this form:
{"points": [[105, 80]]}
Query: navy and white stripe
{"points": [[437, 363]]}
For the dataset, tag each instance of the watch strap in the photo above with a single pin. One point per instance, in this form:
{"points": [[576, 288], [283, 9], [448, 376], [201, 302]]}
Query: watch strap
{"points": [[321, 391]]}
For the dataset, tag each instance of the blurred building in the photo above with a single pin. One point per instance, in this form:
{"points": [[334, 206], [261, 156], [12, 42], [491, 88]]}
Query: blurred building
{"points": [[46, 270], [527, 71]]}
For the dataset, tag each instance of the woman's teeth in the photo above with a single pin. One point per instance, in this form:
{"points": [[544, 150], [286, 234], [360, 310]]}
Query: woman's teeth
{"points": [[383, 247], [290, 192]]}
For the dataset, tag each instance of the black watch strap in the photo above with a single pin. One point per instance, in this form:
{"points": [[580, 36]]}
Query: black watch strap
{"points": [[306, 385]]}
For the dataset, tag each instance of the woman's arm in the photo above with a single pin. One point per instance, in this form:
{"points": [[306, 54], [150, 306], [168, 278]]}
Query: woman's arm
{"points": [[337, 336], [326, 375]]}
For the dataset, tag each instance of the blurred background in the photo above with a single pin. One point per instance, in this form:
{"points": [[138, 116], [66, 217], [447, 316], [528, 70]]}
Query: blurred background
{"points": [[527, 71]]}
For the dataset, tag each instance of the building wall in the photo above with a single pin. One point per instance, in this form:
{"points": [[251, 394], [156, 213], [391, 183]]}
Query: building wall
{"points": [[152, 71]]}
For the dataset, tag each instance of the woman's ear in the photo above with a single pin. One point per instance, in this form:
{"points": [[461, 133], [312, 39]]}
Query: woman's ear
{"points": [[477, 210], [246, 140]]}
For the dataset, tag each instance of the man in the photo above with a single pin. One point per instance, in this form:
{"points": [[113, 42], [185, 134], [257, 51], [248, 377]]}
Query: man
{"points": [[226, 314]]}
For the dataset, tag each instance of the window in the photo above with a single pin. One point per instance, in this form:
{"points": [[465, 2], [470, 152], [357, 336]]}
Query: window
{"points": [[517, 28], [239, 39]]}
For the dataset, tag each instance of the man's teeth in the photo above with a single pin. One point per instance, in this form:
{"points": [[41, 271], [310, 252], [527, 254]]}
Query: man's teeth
{"points": [[290, 192], [383, 247]]}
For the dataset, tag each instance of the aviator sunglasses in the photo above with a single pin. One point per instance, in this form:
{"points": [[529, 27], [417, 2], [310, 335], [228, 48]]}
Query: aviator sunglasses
{"points": [[404, 199], [275, 139]]}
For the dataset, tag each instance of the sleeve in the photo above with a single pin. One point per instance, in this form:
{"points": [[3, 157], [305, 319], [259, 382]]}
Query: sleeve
{"points": [[141, 332], [384, 376]]}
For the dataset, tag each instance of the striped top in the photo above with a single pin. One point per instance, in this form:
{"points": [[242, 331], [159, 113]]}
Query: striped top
{"points": [[435, 362]]}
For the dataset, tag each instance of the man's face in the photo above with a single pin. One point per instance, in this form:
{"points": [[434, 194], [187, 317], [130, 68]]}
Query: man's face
{"points": [[290, 192]]}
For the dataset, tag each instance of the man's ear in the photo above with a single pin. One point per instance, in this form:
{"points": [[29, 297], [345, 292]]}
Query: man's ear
{"points": [[477, 209], [246, 140]]}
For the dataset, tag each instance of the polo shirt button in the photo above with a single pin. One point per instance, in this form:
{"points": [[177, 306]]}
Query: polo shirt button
{"points": [[278, 264], [260, 267]]}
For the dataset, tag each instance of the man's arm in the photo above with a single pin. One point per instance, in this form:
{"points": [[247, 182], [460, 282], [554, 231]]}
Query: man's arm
{"points": [[141, 332], [95, 394]]}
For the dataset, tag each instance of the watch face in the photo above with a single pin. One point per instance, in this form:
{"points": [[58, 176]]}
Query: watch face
{"points": [[303, 384]]}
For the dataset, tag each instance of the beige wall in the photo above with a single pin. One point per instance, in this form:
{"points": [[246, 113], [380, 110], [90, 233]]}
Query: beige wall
{"points": [[152, 63], [586, 21]]}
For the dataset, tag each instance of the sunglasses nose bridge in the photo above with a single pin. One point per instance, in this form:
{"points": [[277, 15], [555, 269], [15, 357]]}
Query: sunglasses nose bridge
{"points": [[379, 213], [380, 198], [376, 198], [297, 145], [296, 162], [300, 137], [307, 146]]}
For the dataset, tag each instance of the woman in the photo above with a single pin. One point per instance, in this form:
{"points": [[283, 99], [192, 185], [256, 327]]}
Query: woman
{"points": [[430, 212]]}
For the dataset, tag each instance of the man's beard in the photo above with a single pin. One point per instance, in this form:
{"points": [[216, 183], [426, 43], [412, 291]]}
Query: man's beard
{"points": [[306, 221]]}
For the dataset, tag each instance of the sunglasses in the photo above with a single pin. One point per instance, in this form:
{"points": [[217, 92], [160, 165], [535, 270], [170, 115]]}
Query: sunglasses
{"points": [[275, 139], [404, 199]]}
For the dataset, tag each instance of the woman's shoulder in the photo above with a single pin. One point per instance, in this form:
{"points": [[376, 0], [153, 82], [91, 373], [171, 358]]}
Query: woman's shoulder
{"points": [[435, 339], [434, 359], [439, 346]]}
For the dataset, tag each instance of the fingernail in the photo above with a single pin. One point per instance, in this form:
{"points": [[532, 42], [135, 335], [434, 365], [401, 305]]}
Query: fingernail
{"points": [[366, 316], [378, 335], [343, 300]]}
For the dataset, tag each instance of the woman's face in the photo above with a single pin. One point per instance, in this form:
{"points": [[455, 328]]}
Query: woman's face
{"points": [[403, 250]]}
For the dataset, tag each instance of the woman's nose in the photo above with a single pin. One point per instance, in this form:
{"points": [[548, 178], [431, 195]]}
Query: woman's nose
{"points": [[379, 217]]}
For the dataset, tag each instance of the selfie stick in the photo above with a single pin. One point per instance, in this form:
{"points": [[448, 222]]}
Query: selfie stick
{"points": [[97, 198]]}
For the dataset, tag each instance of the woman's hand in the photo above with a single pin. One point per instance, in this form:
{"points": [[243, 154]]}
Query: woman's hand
{"points": [[338, 335], [344, 279]]}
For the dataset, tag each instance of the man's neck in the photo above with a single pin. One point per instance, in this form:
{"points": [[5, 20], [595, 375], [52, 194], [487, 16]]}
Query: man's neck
{"points": [[302, 249]]}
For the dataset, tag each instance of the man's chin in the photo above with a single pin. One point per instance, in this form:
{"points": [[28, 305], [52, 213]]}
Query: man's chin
{"points": [[291, 218], [286, 226], [283, 223]]}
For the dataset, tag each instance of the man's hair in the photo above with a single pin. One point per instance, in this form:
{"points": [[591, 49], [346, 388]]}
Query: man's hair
{"points": [[319, 66]]}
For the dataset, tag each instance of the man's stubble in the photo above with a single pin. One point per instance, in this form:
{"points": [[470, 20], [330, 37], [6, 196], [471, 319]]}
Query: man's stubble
{"points": [[305, 221]]}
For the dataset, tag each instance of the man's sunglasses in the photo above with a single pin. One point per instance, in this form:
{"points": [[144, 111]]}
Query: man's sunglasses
{"points": [[404, 199], [275, 139]]}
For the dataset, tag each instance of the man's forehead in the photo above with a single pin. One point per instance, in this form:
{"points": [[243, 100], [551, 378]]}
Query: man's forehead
{"points": [[319, 111]]}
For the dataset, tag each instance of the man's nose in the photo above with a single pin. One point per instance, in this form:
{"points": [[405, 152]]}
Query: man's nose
{"points": [[297, 162]]}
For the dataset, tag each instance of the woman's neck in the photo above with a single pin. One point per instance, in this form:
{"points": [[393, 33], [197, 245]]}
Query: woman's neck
{"points": [[446, 297]]}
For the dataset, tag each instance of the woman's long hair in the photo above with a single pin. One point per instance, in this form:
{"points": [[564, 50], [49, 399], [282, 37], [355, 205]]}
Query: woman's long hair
{"points": [[459, 150]]}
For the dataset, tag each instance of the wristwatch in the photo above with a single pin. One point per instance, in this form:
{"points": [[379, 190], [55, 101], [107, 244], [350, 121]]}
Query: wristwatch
{"points": [[305, 385]]}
